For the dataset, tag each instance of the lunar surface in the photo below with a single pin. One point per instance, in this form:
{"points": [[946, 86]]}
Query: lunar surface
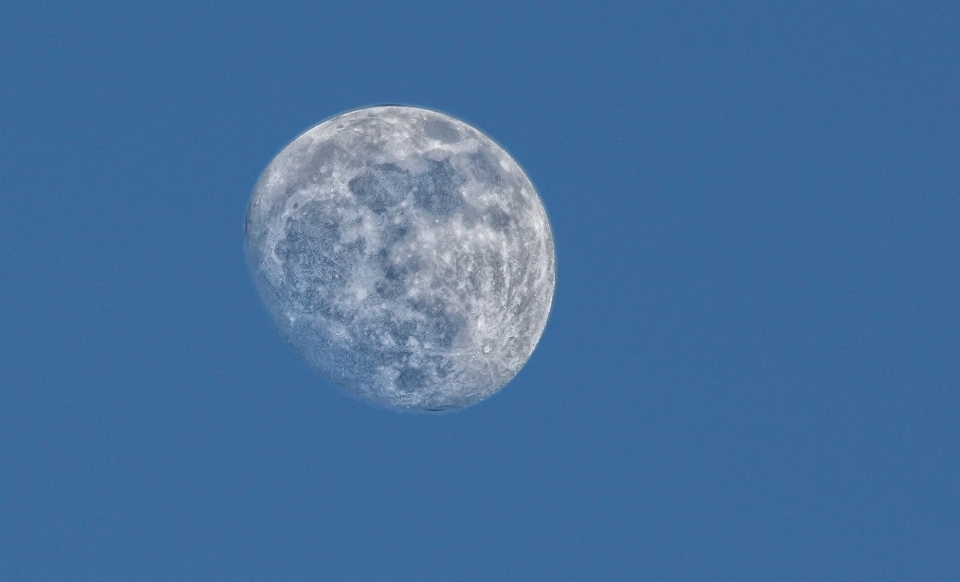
{"points": [[405, 255]]}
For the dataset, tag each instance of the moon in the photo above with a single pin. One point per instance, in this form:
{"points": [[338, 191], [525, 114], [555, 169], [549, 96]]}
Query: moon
{"points": [[404, 255]]}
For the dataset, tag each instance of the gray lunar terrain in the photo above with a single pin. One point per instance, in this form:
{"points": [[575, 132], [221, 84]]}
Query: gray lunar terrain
{"points": [[403, 254]]}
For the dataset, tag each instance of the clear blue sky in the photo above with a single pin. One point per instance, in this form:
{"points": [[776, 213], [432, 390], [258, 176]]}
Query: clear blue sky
{"points": [[752, 368]]}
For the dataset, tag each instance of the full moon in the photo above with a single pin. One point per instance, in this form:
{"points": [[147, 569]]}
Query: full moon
{"points": [[404, 255]]}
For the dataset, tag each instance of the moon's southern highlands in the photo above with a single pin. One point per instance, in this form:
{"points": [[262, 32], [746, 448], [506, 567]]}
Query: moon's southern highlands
{"points": [[405, 255]]}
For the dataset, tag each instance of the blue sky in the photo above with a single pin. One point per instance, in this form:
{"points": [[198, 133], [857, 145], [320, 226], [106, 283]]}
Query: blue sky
{"points": [[752, 367]]}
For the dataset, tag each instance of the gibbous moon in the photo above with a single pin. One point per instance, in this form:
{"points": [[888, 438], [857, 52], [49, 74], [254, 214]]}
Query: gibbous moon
{"points": [[405, 255]]}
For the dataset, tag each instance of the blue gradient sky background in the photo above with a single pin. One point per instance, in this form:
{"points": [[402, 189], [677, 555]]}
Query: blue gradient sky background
{"points": [[752, 368]]}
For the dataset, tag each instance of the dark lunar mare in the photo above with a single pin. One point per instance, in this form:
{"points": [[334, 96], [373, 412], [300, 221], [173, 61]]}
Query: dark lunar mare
{"points": [[382, 188], [314, 257]]}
